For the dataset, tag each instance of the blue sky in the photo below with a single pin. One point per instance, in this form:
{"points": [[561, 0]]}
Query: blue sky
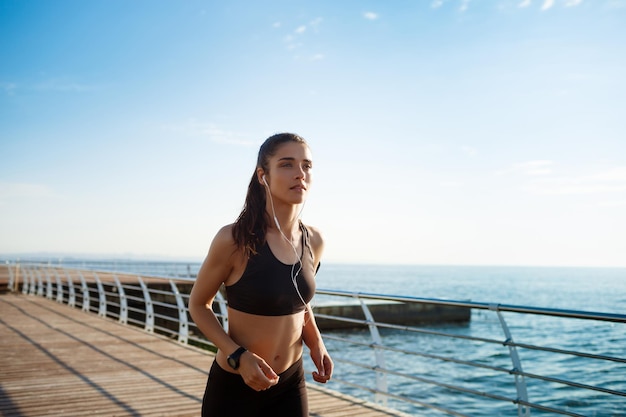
{"points": [[443, 132]]}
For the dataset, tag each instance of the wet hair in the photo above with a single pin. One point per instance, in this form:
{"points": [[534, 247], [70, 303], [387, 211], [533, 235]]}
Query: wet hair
{"points": [[251, 225]]}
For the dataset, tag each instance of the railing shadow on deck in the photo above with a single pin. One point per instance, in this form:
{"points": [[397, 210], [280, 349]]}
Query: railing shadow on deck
{"points": [[459, 369]]}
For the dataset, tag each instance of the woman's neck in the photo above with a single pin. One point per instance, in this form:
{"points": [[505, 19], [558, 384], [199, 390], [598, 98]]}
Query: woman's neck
{"points": [[285, 221]]}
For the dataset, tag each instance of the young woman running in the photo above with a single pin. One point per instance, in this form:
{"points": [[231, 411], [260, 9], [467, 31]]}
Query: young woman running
{"points": [[267, 261]]}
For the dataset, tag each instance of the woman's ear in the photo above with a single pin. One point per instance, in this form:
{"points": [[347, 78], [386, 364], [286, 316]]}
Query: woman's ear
{"points": [[261, 176]]}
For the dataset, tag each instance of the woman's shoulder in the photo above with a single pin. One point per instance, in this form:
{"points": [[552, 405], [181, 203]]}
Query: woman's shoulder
{"points": [[315, 235], [224, 238]]}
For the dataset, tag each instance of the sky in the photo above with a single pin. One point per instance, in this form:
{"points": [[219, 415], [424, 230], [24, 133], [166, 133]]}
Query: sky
{"points": [[448, 132]]}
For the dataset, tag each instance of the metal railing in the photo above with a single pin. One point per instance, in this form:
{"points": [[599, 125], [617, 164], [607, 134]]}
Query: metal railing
{"points": [[469, 369]]}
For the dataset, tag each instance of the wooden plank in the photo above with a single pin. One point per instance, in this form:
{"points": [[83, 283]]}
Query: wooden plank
{"points": [[61, 361]]}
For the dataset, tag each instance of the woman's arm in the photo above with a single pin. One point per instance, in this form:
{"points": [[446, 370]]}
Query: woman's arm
{"points": [[216, 269], [310, 333], [313, 339]]}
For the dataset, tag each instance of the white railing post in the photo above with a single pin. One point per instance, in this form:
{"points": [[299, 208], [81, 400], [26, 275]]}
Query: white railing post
{"points": [[26, 279], [520, 382], [12, 283], [72, 293], [102, 299], [123, 301], [59, 287], [381, 378], [221, 302], [49, 291], [183, 325], [33, 285], [149, 325], [85, 289], [40, 289]]}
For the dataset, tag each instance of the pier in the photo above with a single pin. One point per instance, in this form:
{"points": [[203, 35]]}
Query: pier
{"points": [[86, 341], [62, 361]]}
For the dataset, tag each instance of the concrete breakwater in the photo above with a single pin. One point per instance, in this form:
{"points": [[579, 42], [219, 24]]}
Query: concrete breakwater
{"points": [[392, 313]]}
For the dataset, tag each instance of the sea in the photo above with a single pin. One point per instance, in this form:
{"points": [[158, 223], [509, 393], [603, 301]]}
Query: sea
{"points": [[582, 289], [569, 288]]}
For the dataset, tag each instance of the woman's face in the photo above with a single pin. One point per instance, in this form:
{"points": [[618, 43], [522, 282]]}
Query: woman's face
{"points": [[289, 176]]}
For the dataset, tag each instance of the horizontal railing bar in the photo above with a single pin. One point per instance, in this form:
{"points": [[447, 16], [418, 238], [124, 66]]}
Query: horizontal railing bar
{"points": [[452, 388], [162, 304], [165, 330], [140, 323], [433, 382], [160, 292], [421, 354], [566, 352], [131, 287], [168, 318], [411, 329], [555, 312], [570, 383]]}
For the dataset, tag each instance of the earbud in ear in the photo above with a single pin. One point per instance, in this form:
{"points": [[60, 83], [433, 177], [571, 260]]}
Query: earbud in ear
{"points": [[264, 180]]}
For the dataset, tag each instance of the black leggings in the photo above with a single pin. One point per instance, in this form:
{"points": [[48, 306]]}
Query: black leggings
{"points": [[226, 395]]}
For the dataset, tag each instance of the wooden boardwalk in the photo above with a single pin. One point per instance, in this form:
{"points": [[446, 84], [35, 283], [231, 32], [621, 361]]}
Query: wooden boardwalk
{"points": [[60, 361]]}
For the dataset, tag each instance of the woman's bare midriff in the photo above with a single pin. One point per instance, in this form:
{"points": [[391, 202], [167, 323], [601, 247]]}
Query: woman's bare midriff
{"points": [[276, 339]]}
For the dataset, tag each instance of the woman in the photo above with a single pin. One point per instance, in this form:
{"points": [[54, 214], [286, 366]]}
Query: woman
{"points": [[267, 261]]}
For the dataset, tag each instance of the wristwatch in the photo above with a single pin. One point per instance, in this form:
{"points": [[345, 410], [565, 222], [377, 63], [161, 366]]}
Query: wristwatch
{"points": [[233, 358]]}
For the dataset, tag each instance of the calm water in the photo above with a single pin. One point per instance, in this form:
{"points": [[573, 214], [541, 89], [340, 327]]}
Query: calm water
{"points": [[586, 289]]}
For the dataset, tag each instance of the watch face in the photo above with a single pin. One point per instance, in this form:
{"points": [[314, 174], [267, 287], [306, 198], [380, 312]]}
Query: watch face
{"points": [[233, 359]]}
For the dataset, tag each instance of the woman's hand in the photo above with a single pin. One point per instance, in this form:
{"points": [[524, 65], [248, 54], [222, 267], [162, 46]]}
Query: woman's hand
{"points": [[323, 363], [256, 373]]}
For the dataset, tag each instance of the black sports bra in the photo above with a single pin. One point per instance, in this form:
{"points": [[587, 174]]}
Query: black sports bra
{"points": [[265, 287]]}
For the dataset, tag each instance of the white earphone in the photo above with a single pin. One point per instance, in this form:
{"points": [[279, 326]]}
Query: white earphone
{"points": [[294, 273], [272, 202]]}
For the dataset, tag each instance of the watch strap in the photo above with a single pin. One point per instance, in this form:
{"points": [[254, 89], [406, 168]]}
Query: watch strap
{"points": [[233, 358]]}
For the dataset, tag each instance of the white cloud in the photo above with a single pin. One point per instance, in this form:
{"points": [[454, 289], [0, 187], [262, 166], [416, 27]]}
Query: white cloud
{"points": [[464, 5], [563, 186], [547, 4], [210, 131], [58, 85], [530, 168], [315, 23], [614, 203], [11, 191], [8, 88], [616, 174], [604, 182], [524, 3], [292, 41], [616, 4], [436, 4], [469, 150], [572, 3], [370, 15], [451, 184]]}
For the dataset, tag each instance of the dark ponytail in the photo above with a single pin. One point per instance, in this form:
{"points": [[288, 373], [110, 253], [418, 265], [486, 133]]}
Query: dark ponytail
{"points": [[250, 227]]}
